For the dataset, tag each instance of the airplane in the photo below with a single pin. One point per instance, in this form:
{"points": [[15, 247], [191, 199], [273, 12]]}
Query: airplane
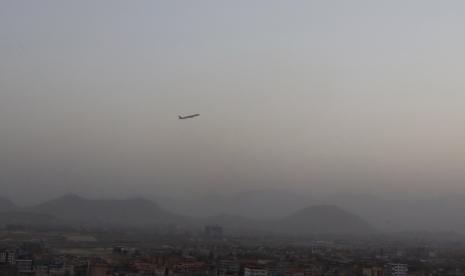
{"points": [[188, 117]]}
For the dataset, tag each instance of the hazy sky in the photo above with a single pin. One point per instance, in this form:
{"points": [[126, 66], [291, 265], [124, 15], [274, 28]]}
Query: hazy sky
{"points": [[316, 96]]}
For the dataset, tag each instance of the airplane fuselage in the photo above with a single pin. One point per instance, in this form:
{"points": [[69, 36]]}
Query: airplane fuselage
{"points": [[188, 117]]}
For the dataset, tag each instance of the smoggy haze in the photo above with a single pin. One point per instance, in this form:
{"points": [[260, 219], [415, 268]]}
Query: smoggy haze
{"points": [[315, 96]]}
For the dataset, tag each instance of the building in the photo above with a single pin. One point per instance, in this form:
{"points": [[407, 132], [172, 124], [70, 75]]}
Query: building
{"points": [[393, 269], [255, 271], [7, 257], [229, 267], [41, 269], [99, 269], [24, 267], [373, 271]]}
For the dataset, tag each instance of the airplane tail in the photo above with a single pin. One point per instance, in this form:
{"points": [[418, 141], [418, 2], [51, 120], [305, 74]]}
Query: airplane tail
{"points": [[179, 116]]}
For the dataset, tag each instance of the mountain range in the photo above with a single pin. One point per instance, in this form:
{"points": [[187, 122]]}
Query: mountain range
{"points": [[252, 211], [409, 214], [138, 212]]}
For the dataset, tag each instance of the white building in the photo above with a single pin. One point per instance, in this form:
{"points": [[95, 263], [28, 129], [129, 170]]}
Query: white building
{"points": [[392, 269]]}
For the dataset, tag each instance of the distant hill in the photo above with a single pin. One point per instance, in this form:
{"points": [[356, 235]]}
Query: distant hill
{"points": [[319, 219], [73, 209], [435, 214], [327, 219], [6, 205]]}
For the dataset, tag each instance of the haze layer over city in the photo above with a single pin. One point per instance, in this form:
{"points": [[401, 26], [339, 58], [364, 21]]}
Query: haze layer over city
{"points": [[349, 103]]}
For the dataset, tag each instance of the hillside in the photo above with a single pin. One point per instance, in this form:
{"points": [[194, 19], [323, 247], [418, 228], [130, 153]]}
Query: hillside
{"points": [[327, 219], [7, 205], [320, 219], [137, 212], [435, 214]]}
